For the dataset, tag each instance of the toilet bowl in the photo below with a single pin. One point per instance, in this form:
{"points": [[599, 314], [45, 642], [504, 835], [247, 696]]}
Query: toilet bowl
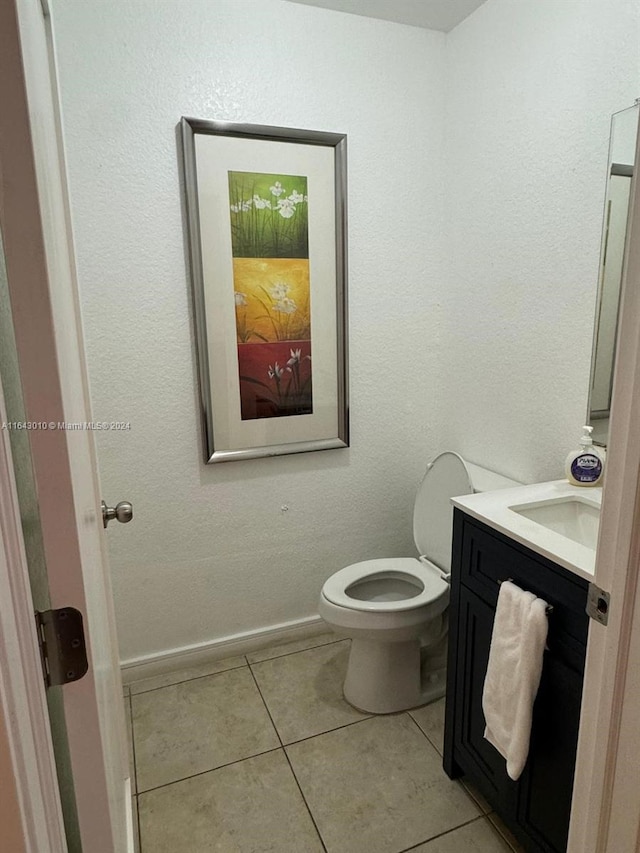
{"points": [[395, 609]]}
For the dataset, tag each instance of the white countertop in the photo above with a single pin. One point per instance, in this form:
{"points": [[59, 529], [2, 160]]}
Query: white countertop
{"points": [[492, 508]]}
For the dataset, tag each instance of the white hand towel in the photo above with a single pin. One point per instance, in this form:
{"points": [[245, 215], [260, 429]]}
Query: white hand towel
{"points": [[513, 673]]}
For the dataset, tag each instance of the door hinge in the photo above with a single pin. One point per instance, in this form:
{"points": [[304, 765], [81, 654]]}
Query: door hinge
{"points": [[62, 645], [598, 604]]}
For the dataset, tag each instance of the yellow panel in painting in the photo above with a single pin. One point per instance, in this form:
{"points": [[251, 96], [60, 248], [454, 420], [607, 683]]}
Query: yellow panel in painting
{"points": [[272, 299]]}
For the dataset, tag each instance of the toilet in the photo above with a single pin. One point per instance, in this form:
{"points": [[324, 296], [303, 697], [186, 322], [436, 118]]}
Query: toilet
{"points": [[395, 609]]}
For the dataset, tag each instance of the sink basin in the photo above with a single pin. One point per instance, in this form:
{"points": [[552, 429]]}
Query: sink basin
{"points": [[557, 520], [577, 518]]}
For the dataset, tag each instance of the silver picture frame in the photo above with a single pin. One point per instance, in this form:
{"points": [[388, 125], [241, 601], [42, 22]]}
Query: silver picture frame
{"points": [[218, 441]]}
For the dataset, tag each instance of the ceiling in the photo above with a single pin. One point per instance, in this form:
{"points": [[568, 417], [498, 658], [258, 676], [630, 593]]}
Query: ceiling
{"points": [[441, 15]]}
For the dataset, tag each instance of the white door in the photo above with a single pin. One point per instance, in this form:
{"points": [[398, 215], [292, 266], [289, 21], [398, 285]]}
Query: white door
{"points": [[41, 282]]}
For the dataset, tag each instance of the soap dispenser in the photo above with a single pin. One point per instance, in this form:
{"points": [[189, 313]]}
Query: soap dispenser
{"points": [[585, 466]]}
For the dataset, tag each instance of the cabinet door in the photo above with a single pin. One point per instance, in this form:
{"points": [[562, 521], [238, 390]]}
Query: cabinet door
{"points": [[544, 797], [475, 755], [537, 807], [486, 558]]}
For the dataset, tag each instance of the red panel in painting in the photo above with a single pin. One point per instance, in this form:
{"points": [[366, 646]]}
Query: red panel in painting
{"points": [[275, 379]]}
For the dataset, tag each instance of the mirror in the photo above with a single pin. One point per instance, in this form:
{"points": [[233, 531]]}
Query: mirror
{"points": [[622, 149]]}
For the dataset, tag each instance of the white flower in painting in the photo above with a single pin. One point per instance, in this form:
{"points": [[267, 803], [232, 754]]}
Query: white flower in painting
{"points": [[279, 290], [286, 208], [246, 205], [306, 198], [296, 197], [261, 203], [241, 298], [276, 371], [285, 306], [295, 357], [235, 208], [277, 189]]}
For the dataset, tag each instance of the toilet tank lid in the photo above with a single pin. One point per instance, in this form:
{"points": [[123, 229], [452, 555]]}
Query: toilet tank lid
{"points": [[446, 477]]}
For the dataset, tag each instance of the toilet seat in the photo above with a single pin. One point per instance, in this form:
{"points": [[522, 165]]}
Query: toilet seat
{"points": [[418, 572]]}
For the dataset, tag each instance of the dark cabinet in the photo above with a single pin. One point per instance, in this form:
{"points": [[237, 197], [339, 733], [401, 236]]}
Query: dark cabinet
{"points": [[536, 807]]}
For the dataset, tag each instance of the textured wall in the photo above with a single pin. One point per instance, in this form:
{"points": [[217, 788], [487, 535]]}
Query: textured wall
{"points": [[487, 353], [531, 86], [210, 552]]}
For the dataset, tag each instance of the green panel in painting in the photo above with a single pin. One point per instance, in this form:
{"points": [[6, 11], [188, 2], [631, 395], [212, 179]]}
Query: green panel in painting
{"points": [[269, 215]]}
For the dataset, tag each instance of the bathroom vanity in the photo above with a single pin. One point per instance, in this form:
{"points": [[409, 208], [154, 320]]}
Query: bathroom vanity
{"points": [[495, 538]]}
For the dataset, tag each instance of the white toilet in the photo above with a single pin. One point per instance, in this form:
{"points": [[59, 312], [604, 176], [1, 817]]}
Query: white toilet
{"points": [[394, 609]]}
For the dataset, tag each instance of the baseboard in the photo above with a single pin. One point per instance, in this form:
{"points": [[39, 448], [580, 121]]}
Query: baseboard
{"points": [[160, 663]]}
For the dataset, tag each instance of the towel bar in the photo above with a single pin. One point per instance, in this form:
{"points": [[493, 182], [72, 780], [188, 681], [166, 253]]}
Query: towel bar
{"points": [[548, 608]]}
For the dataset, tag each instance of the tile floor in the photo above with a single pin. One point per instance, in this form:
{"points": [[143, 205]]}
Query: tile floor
{"points": [[261, 754]]}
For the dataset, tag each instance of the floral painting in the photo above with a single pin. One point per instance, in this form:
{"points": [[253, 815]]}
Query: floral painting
{"points": [[270, 247], [269, 276]]}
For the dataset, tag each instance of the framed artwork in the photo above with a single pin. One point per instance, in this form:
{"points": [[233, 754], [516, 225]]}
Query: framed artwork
{"points": [[266, 211]]}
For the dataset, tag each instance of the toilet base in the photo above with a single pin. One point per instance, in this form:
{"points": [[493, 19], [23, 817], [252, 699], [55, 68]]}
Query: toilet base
{"points": [[384, 678], [434, 686]]}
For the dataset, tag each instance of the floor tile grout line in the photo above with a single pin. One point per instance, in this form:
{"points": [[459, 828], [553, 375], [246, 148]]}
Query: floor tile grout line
{"points": [[462, 780], [428, 737], [266, 707], [440, 756], [240, 666], [304, 800], [475, 799], [422, 731], [330, 731], [137, 831], [135, 773], [297, 652], [186, 680], [308, 737], [133, 743], [442, 834], [210, 770], [501, 834]]}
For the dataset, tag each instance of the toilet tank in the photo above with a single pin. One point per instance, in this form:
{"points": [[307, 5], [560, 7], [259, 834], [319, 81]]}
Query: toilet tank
{"points": [[448, 476], [483, 480]]}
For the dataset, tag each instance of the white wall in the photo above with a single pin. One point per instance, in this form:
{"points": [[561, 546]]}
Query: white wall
{"points": [[210, 553], [531, 85], [488, 353]]}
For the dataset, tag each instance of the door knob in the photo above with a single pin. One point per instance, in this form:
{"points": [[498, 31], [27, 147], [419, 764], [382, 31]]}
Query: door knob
{"points": [[122, 512]]}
